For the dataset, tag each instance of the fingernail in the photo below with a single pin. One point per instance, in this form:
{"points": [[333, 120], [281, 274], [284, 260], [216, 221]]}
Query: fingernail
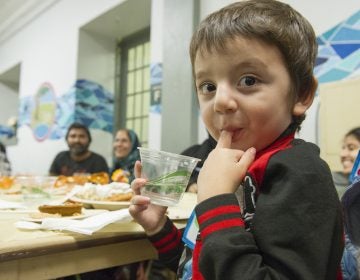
{"points": [[252, 150]]}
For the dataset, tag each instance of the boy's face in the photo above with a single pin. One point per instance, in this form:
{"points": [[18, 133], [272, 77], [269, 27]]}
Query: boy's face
{"points": [[245, 90]]}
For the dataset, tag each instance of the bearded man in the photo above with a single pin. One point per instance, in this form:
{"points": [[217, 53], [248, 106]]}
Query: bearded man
{"points": [[78, 159]]}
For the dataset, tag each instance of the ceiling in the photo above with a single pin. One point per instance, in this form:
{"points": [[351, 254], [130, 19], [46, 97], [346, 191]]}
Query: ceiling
{"points": [[123, 19], [8, 9], [15, 14]]}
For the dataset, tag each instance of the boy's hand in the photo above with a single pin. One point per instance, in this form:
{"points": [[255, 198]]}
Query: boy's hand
{"points": [[224, 169], [150, 216]]}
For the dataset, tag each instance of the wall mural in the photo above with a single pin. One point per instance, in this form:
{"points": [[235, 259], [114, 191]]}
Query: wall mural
{"points": [[43, 112], [156, 77], [49, 117], [339, 51]]}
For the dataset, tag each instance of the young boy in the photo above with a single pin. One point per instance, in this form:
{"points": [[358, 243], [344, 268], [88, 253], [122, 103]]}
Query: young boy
{"points": [[267, 207]]}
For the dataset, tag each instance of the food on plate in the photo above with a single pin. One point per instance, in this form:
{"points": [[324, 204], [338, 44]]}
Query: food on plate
{"points": [[6, 182], [101, 178], [120, 196], [81, 179], [62, 180], [14, 192], [66, 209], [40, 215], [114, 191], [120, 175]]}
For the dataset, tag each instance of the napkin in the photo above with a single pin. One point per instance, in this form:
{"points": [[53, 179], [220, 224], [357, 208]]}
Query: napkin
{"points": [[11, 205], [86, 226]]}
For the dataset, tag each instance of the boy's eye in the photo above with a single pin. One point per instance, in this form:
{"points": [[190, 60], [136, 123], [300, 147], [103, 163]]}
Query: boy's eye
{"points": [[207, 88], [247, 81]]}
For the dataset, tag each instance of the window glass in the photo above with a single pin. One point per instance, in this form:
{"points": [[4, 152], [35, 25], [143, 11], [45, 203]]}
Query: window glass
{"points": [[130, 83], [131, 59], [133, 97]]}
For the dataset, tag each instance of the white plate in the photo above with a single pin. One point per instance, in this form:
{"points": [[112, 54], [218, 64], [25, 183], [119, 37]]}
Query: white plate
{"points": [[85, 213], [108, 205]]}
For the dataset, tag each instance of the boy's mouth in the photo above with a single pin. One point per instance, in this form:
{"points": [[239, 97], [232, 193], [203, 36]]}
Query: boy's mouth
{"points": [[236, 133]]}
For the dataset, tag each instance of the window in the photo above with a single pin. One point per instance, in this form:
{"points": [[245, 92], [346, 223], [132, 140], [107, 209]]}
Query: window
{"points": [[132, 100]]}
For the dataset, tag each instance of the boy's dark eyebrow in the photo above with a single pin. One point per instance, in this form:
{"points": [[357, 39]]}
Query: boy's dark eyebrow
{"points": [[248, 63], [251, 63]]}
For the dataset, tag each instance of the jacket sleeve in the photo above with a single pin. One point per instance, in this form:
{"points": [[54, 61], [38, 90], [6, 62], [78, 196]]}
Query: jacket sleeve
{"points": [[168, 245], [296, 231]]}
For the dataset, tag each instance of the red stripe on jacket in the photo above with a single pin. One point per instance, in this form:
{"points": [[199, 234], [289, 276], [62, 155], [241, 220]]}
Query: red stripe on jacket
{"points": [[236, 222], [169, 242], [217, 211]]}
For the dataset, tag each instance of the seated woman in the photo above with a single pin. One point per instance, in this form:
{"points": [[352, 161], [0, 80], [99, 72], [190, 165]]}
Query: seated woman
{"points": [[349, 151], [126, 153]]}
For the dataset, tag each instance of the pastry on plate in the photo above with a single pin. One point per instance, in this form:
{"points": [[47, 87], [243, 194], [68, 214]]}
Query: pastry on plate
{"points": [[66, 209]]}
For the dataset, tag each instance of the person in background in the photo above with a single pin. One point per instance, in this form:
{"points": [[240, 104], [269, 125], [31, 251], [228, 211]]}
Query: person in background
{"points": [[349, 193], [349, 151], [350, 263], [200, 151], [5, 167], [126, 153], [78, 159], [266, 205]]}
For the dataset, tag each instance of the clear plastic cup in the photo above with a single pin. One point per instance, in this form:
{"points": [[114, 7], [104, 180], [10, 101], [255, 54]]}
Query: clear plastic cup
{"points": [[36, 190], [168, 175]]}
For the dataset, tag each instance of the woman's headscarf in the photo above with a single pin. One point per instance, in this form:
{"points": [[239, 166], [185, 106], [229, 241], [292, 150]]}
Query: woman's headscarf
{"points": [[128, 162]]}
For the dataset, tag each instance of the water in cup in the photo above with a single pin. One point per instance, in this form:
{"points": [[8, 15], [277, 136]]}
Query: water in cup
{"points": [[168, 175]]}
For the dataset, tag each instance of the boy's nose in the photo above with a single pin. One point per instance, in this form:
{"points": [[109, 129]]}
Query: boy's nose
{"points": [[224, 101]]}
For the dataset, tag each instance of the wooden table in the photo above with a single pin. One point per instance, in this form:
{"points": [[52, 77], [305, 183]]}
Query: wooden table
{"points": [[50, 254]]}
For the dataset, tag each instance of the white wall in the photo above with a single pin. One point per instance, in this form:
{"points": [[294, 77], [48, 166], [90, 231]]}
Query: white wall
{"points": [[96, 59], [10, 107], [156, 41], [47, 49], [96, 62]]}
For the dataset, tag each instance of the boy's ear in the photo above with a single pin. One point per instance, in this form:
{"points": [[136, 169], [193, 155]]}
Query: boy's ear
{"points": [[301, 106]]}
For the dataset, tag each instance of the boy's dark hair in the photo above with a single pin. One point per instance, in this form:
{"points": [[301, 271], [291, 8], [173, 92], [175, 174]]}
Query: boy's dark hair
{"points": [[78, 126], [273, 22]]}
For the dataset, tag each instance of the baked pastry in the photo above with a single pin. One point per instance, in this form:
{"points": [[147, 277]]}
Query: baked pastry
{"points": [[100, 178], [120, 196], [66, 209], [6, 182], [120, 175]]}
